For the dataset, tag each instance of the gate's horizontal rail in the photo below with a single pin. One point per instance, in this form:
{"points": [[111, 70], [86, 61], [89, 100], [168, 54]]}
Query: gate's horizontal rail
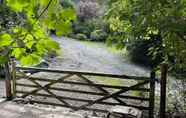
{"points": [[85, 100], [85, 92], [84, 73], [103, 85]]}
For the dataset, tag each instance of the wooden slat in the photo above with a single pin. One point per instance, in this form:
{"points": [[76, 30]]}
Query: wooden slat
{"points": [[86, 92], [85, 100], [107, 86], [92, 85], [84, 73], [100, 85]]}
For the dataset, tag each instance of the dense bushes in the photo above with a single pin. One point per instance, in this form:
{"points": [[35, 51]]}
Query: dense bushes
{"points": [[98, 35], [93, 29], [151, 53], [148, 52], [83, 27]]}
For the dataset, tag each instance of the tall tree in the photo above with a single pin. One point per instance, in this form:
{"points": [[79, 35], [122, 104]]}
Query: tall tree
{"points": [[139, 19]]}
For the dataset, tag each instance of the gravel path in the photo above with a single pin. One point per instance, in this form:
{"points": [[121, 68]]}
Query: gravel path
{"points": [[77, 55]]}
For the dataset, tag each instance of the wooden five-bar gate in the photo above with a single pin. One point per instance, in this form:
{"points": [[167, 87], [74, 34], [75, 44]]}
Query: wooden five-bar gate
{"points": [[72, 89]]}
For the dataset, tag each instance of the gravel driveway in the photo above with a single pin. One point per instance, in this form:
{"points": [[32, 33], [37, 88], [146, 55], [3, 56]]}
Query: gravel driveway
{"points": [[77, 55]]}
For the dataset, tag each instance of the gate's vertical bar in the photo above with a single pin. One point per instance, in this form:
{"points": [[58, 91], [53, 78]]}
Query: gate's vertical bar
{"points": [[164, 69], [8, 82], [14, 77], [152, 94]]}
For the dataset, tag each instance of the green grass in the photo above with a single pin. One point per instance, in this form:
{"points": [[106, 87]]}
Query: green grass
{"points": [[111, 49], [112, 81], [114, 50]]}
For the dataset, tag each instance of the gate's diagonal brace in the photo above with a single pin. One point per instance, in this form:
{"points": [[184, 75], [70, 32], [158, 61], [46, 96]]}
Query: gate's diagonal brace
{"points": [[48, 91], [101, 89], [45, 87], [113, 94]]}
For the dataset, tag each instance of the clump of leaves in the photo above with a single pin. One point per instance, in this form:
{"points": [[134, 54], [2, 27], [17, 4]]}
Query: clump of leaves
{"points": [[27, 38], [138, 19]]}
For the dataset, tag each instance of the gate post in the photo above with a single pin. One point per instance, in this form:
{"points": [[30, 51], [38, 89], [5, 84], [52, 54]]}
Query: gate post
{"points": [[8, 82], [14, 78], [152, 94], [163, 82]]}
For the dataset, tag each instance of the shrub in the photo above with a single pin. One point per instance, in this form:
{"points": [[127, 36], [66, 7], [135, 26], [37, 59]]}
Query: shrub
{"points": [[83, 28], [89, 26], [98, 35], [141, 52], [81, 36], [72, 35]]}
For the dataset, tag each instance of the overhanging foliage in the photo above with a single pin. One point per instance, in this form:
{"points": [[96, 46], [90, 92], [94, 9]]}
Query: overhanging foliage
{"points": [[28, 40]]}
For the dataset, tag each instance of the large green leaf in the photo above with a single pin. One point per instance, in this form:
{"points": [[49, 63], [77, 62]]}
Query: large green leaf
{"points": [[18, 52], [29, 60], [5, 40]]}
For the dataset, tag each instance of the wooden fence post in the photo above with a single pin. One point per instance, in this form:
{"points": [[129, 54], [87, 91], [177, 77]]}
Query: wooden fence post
{"points": [[163, 81], [152, 94], [14, 78], [8, 82]]}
